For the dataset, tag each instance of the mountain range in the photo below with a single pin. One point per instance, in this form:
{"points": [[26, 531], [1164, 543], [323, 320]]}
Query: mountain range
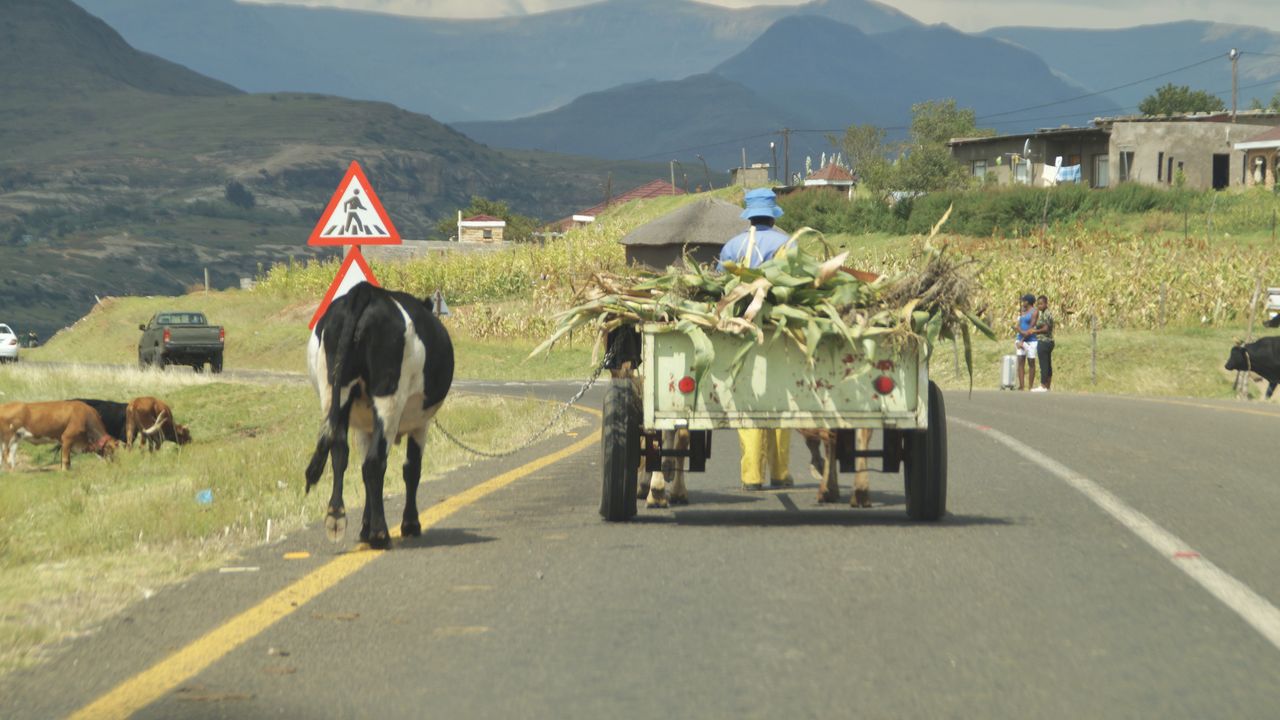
{"points": [[115, 167]]}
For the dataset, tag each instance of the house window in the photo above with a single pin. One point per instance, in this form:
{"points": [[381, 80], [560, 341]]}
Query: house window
{"points": [[1101, 171], [1022, 172], [980, 169], [1160, 167], [488, 234], [1126, 165]]}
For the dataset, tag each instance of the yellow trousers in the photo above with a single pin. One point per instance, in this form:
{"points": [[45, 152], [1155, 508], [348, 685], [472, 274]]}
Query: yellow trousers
{"points": [[764, 446]]}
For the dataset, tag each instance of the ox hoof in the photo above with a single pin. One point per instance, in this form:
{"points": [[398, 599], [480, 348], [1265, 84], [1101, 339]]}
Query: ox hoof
{"points": [[380, 540], [657, 501], [828, 496], [861, 499], [335, 524], [679, 500], [410, 529]]}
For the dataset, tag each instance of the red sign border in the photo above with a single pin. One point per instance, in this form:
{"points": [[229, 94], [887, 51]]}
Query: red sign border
{"points": [[354, 170], [354, 256]]}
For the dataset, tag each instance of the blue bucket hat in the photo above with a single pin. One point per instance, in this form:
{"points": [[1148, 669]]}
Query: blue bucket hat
{"points": [[761, 202]]}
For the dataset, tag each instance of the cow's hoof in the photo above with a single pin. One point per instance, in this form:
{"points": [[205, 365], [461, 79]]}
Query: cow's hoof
{"points": [[380, 540], [657, 501], [861, 499], [679, 500], [410, 529], [828, 496], [335, 524]]}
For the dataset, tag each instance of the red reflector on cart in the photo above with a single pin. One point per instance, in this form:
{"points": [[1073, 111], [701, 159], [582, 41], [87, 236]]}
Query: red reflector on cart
{"points": [[883, 384], [686, 384]]}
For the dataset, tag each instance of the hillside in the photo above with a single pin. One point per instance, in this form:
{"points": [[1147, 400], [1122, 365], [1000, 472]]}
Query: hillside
{"points": [[1118, 56], [114, 166], [834, 75], [459, 69]]}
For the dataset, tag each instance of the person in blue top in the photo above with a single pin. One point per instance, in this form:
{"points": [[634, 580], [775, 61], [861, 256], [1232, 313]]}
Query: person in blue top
{"points": [[762, 237], [760, 242], [1025, 346]]}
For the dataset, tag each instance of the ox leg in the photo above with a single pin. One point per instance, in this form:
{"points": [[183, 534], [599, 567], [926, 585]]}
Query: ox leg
{"points": [[410, 526], [861, 479], [679, 495], [335, 520], [813, 442], [374, 528], [829, 486], [658, 480]]}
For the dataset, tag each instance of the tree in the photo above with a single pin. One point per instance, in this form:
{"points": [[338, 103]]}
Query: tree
{"points": [[864, 146], [520, 228], [239, 195], [927, 163], [1179, 99]]}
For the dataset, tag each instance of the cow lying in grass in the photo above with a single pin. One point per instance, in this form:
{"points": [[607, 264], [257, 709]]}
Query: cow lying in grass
{"points": [[71, 423], [152, 420]]}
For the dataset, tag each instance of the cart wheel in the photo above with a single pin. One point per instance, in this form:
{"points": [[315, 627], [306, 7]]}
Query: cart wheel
{"points": [[620, 444], [926, 463]]}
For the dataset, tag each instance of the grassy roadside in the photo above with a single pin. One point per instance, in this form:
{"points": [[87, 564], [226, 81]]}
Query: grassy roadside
{"points": [[76, 547]]}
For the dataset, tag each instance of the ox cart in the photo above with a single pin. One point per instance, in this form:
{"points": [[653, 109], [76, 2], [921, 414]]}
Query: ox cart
{"points": [[774, 385]]}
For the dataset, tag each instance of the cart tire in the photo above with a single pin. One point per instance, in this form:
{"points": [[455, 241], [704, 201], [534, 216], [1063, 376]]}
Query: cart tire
{"points": [[926, 463], [619, 443]]}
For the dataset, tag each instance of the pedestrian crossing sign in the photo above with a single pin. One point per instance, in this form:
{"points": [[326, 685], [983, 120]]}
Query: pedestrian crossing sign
{"points": [[355, 215], [353, 271]]}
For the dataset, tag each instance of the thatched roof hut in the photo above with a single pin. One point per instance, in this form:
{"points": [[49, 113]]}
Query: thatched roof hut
{"points": [[700, 228]]}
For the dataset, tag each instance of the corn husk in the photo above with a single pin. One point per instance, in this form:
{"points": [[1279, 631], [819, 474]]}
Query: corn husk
{"points": [[793, 297]]}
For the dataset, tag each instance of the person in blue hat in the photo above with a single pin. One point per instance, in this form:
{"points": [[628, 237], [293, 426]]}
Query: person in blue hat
{"points": [[760, 447], [762, 239]]}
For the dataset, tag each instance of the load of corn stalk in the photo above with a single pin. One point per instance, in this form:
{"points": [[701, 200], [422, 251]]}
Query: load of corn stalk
{"points": [[794, 296]]}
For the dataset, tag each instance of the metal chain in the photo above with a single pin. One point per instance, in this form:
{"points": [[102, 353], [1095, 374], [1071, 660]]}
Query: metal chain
{"points": [[536, 436]]}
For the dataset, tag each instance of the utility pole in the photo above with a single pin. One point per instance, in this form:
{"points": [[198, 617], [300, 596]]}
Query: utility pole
{"points": [[706, 172], [786, 155], [1235, 61], [608, 189], [673, 177], [773, 164]]}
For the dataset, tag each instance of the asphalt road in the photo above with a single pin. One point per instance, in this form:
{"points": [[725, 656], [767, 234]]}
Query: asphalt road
{"points": [[1102, 557]]}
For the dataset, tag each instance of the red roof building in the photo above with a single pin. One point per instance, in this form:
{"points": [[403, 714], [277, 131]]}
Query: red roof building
{"points": [[648, 191]]}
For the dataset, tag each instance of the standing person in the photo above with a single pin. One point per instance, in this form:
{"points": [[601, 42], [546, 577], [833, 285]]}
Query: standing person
{"points": [[1044, 343], [759, 243], [1025, 345]]}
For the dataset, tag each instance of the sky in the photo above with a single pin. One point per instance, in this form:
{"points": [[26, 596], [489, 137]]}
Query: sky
{"points": [[967, 15]]}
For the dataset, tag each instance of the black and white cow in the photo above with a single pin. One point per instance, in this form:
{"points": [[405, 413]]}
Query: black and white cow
{"points": [[382, 364], [1260, 356], [112, 414]]}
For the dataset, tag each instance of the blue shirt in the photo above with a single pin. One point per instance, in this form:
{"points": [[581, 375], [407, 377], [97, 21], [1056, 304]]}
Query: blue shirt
{"points": [[1025, 326], [768, 240]]}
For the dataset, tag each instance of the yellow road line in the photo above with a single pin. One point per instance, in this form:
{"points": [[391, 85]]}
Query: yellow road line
{"points": [[149, 685]]}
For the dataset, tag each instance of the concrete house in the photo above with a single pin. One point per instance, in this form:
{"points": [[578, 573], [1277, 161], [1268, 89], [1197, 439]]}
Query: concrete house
{"points": [[1198, 148], [1261, 158], [651, 189], [481, 229]]}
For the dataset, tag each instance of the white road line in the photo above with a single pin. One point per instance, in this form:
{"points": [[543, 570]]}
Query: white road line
{"points": [[1249, 605]]}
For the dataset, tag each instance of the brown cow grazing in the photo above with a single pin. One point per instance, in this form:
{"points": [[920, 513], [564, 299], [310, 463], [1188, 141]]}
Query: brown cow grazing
{"points": [[71, 423], [152, 419]]}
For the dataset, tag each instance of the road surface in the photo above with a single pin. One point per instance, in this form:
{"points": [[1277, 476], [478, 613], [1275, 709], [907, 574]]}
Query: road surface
{"points": [[1102, 557]]}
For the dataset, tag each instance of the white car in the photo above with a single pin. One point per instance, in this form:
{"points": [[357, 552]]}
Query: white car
{"points": [[8, 344]]}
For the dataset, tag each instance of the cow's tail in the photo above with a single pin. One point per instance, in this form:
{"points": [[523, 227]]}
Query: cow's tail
{"points": [[357, 300]]}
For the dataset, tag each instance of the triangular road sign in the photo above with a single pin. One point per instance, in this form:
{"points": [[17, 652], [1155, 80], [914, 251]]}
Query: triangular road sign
{"points": [[354, 215], [353, 271]]}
